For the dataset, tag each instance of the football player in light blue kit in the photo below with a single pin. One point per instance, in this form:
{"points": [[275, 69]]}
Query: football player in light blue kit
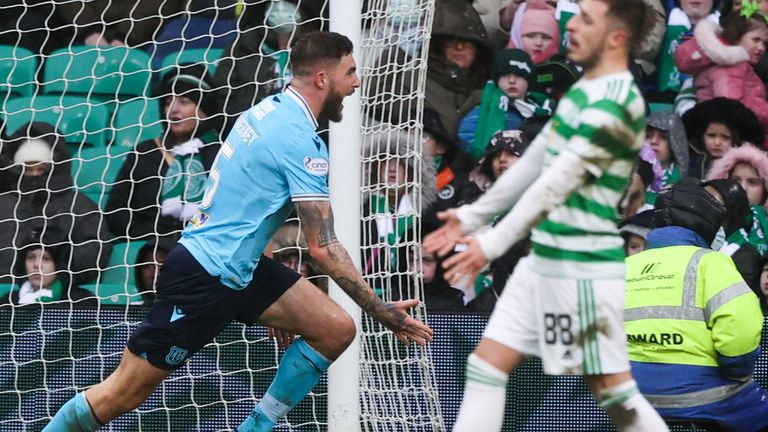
{"points": [[272, 162]]}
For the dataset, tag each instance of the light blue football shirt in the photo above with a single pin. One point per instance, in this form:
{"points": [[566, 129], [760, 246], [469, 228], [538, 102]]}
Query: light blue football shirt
{"points": [[272, 157]]}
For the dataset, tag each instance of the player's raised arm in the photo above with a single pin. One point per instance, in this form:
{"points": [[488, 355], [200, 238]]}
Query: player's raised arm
{"points": [[333, 259], [568, 173], [499, 198]]}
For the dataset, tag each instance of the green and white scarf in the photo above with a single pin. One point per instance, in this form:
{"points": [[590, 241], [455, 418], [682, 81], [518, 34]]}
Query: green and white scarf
{"points": [[391, 223], [756, 236]]}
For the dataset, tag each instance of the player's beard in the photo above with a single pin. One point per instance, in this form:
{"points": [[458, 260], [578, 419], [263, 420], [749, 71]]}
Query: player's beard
{"points": [[332, 106]]}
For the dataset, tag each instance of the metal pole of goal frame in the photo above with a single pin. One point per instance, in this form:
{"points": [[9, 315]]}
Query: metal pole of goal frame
{"points": [[344, 183]]}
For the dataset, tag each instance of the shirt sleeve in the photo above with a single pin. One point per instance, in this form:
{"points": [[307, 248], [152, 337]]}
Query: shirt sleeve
{"points": [[306, 168], [606, 132]]}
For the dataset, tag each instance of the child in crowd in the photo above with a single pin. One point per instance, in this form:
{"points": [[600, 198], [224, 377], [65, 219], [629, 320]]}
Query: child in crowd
{"points": [[748, 166], [665, 134], [535, 30], [723, 64], [762, 294], [505, 104], [714, 127], [41, 271], [635, 231], [439, 295]]}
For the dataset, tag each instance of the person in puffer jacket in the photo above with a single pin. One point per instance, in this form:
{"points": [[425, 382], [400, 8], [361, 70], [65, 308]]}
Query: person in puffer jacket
{"points": [[722, 61]]}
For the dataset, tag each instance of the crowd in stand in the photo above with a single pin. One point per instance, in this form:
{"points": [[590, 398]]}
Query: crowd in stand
{"points": [[496, 70]]}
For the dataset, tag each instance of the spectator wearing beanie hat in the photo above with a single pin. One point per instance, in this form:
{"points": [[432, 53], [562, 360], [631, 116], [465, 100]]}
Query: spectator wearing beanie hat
{"points": [[635, 231], [505, 104], [35, 156], [504, 150], [535, 30], [161, 183], [42, 270], [43, 194]]}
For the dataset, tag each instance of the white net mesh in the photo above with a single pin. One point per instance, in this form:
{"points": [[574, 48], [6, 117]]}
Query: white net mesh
{"points": [[397, 384], [98, 176]]}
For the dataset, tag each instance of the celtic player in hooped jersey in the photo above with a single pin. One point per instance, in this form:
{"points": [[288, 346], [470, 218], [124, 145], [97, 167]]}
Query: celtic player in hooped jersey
{"points": [[564, 302], [272, 161]]}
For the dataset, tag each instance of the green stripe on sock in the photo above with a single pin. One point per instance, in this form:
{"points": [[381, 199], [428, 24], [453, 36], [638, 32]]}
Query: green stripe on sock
{"points": [[619, 398], [478, 375]]}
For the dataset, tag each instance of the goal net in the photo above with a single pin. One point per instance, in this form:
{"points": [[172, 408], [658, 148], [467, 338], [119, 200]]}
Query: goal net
{"points": [[102, 164]]}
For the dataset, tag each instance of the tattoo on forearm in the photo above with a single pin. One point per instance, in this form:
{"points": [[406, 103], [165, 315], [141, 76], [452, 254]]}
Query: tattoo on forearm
{"points": [[318, 221], [327, 235]]}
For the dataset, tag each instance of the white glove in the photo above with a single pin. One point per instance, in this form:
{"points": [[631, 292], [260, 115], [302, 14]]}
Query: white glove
{"points": [[172, 207], [188, 211]]}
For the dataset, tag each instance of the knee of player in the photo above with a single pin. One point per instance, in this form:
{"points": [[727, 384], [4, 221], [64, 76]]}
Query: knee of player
{"points": [[347, 330], [343, 332], [122, 400]]}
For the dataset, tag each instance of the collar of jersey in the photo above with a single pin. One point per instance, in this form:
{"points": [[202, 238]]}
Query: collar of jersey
{"points": [[293, 94]]}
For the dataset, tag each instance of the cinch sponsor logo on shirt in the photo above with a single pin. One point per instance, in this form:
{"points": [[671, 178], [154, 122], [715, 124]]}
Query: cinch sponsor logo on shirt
{"points": [[316, 166]]}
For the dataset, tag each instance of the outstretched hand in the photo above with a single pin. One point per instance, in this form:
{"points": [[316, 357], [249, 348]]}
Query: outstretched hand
{"points": [[444, 239], [470, 261], [395, 317]]}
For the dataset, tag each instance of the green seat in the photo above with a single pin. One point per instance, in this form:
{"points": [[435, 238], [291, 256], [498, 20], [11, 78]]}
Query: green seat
{"points": [[79, 120], [112, 72], [117, 284], [660, 107], [137, 121], [119, 294], [208, 57], [94, 170], [5, 289], [18, 67]]}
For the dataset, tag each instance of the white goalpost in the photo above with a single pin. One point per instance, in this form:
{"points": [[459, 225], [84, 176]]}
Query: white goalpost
{"points": [[105, 231]]}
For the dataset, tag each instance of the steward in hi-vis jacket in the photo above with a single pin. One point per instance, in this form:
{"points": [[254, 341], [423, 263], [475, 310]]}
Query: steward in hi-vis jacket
{"points": [[693, 325]]}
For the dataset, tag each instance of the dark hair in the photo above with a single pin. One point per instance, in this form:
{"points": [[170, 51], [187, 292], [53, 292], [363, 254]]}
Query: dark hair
{"points": [[735, 26], [317, 47], [632, 15]]}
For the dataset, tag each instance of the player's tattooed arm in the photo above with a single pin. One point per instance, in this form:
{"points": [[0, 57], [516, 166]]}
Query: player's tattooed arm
{"points": [[333, 259]]}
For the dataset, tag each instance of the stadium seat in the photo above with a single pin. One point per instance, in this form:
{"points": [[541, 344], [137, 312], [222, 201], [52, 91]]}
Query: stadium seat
{"points": [[136, 121], [117, 294], [661, 107], [18, 67], [108, 73], [5, 289], [122, 262], [94, 170], [117, 284], [80, 121], [209, 57]]}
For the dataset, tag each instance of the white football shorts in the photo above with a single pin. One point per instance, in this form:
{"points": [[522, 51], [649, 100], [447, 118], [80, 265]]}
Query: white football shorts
{"points": [[576, 326]]}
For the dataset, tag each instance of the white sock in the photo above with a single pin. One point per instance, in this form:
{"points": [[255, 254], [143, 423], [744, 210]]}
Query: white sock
{"points": [[629, 410], [485, 391]]}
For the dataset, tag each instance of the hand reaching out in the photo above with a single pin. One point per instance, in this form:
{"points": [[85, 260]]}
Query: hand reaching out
{"points": [[444, 239], [470, 261], [405, 327]]}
